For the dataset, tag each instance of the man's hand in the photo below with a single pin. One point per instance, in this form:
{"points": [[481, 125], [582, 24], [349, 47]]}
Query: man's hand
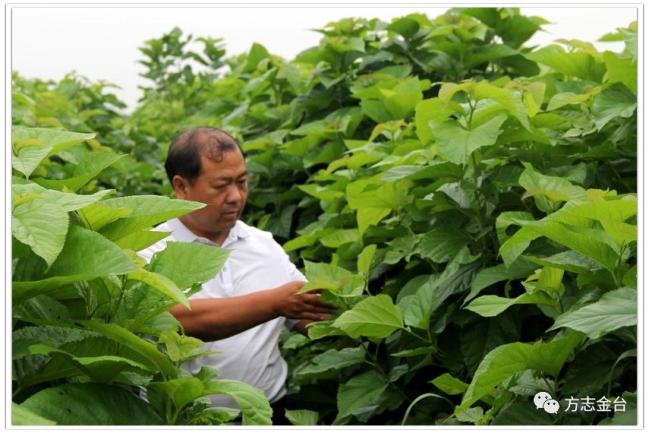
{"points": [[215, 318], [293, 305]]}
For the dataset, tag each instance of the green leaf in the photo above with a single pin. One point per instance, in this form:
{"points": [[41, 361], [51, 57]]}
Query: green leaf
{"points": [[589, 242], [374, 316], [457, 143], [146, 211], [337, 280], [508, 99], [89, 166], [560, 100], [187, 263], [488, 276], [424, 350], [449, 384], [42, 310], [41, 225], [339, 237], [614, 310], [375, 110], [370, 216], [156, 358], [534, 97], [431, 109], [488, 53], [360, 393], [401, 247], [91, 404], [448, 90], [97, 215], [433, 170], [253, 403], [20, 415], [321, 193], [364, 261], [161, 283], [549, 280], [181, 347], [214, 416], [489, 16], [516, 29], [509, 359], [332, 359], [570, 227], [434, 290], [615, 101], [576, 64], [392, 195], [181, 391], [418, 307], [88, 253], [471, 415], [257, 53], [508, 219], [611, 214], [53, 336], [138, 241], [101, 369], [523, 413], [491, 305], [622, 70], [85, 255], [321, 329], [67, 201], [302, 416], [402, 99], [406, 27], [567, 260], [32, 145], [556, 189], [442, 244]]}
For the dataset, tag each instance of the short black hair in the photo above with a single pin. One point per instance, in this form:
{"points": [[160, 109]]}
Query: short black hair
{"points": [[187, 147]]}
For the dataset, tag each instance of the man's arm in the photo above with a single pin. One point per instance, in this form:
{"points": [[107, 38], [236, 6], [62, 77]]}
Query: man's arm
{"points": [[216, 318]]}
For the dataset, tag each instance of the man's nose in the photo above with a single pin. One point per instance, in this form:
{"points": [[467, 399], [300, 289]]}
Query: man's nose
{"points": [[234, 194]]}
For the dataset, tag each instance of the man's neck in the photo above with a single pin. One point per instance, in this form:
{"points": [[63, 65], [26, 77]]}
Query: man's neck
{"points": [[217, 237]]}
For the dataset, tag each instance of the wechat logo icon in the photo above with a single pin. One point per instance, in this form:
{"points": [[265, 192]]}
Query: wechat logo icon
{"points": [[543, 400]]}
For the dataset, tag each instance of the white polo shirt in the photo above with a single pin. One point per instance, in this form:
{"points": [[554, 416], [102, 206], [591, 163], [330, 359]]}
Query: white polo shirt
{"points": [[256, 262]]}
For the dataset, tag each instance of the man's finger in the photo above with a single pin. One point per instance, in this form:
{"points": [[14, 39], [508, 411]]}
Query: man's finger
{"points": [[316, 316], [315, 309], [315, 300]]}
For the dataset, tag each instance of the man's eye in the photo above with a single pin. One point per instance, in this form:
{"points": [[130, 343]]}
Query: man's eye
{"points": [[242, 182]]}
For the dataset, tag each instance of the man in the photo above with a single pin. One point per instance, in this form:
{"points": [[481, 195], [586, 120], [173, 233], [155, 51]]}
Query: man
{"points": [[240, 312]]}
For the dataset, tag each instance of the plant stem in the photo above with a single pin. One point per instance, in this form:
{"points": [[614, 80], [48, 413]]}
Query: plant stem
{"points": [[418, 399], [418, 336]]}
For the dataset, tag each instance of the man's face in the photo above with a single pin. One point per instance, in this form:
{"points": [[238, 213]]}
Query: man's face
{"points": [[223, 186]]}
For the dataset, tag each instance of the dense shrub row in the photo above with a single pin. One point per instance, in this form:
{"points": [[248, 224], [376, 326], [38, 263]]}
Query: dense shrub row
{"points": [[468, 202]]}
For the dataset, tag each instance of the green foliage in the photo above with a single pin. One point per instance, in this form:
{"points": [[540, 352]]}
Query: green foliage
{"points": [[468, 203], [87, 309], [91, 404], [375, 316], [302, 417]]}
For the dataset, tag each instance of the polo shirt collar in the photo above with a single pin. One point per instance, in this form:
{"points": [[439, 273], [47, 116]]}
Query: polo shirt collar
{"points": [[182, 233]]}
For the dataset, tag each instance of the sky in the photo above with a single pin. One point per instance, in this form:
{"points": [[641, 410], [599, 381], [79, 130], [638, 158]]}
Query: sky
{"points": [[102, 43]]}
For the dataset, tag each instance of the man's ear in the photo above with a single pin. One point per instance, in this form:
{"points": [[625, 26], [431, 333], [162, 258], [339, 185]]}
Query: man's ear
{"points": [[180, 186]]}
